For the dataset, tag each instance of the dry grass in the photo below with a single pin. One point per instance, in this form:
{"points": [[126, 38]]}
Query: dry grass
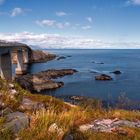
{"points": [[67, 118]]}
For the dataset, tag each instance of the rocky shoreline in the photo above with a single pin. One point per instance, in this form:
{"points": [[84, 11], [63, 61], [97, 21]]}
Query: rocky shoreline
{"points": [[43, 80]]}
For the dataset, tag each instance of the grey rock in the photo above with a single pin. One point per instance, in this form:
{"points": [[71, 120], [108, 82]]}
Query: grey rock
{"points": [[16, 121], [28, 104], [109, 125], [68, 137], [116, 72]]}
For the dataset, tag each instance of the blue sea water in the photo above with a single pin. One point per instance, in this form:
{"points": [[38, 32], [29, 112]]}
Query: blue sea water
{"points": [[83, 82]]}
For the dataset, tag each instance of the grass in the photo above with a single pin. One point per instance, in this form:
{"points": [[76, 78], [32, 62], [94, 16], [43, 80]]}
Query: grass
{"points": [[67, 118]]}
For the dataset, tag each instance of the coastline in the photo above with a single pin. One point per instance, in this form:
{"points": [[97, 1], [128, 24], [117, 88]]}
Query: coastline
{"points": [[22, 111]]}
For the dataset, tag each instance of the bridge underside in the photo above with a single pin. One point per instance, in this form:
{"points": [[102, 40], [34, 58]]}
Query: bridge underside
{"points": [[6, 61], [6, 66]]}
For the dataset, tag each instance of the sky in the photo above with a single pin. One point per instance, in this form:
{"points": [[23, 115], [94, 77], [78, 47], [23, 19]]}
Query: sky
{"points": [[71, 23]]}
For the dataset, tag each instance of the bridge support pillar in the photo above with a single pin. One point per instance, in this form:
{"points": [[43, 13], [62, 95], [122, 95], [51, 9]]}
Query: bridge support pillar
{"points": [[21, 69], [26, 56], [6, 66]]}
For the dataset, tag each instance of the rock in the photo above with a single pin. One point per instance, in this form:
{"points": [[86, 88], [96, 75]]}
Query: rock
{"points": [[11, 85], [116, 72], [61, 57], [120, 131], [2, 104], [85, 127], [43, 80], [69, 56], [77, 98], [54, 128], [97, 62], [13, 92], [68, 137], [103, 77], [110, 125], [16, 121], [37, 56], [30, 105], [5, 111]]}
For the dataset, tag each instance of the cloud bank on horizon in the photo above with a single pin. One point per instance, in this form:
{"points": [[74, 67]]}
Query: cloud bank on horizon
{"points": [[91, 24], [55, 41]]}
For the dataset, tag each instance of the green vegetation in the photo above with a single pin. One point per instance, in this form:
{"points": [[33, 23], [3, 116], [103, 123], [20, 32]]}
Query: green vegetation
{"points": [[65, 117]]}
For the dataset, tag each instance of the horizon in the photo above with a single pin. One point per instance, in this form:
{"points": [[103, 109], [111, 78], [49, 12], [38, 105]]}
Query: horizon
{"points": [[70, 24]]}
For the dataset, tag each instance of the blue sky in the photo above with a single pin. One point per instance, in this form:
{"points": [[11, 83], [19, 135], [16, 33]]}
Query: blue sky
{"points": [[100, 20]]}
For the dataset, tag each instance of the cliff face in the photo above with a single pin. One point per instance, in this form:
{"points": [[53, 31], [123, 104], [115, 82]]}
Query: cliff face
{"points": [[36, 56], [40, 56]]}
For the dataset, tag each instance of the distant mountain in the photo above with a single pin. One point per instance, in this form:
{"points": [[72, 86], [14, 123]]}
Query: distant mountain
{"points": [[36, 47]]}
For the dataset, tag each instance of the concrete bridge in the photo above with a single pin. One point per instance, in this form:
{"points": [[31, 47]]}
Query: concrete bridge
{"points": [[6, 51]]}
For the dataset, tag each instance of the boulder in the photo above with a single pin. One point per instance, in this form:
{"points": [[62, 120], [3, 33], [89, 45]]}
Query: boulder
{"points": [[116, 72], [61, 57], [16, 121], [30, 105], [110, 125], [103, 77], [55, 129]]}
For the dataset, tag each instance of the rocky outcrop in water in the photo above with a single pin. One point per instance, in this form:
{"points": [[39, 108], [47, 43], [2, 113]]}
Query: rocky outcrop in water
{"points": [[61, 57], [116, 72], [43, 80], [103, 77]]}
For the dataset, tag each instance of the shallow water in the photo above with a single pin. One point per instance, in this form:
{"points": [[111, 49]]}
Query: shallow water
{"points": [[84, 83]]}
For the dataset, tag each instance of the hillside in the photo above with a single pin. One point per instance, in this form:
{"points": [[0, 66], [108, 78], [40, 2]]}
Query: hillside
{"points": [[27, 116]]}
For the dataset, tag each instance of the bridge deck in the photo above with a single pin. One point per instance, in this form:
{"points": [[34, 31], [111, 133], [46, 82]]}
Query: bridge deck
{"points": [[4, 44]]}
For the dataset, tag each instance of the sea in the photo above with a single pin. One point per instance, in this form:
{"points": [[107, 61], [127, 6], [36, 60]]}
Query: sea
{"points": [[90, 63]]}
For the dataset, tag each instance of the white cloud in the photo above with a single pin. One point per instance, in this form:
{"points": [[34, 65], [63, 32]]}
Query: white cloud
{"points": [[86, 27], [134, 2], [52, 23], [59, 42], [46, 22], [89, 19], [62, 25], [2, 1], [61, 14], [16, 12]]}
